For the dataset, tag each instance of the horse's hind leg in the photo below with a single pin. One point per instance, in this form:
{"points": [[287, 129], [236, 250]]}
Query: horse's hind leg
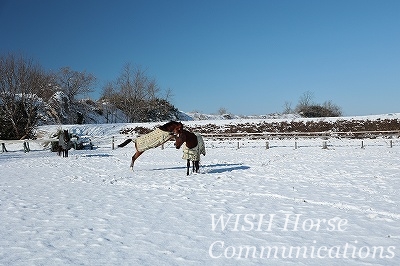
{"points": [[196, 165], [188, 166], [134, 157]]}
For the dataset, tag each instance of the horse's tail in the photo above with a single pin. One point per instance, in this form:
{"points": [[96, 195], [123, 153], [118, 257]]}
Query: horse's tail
{"points": [[123, 144]]}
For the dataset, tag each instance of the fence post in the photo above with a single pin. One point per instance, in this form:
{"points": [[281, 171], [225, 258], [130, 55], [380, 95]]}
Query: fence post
{"points": [[3, 147], [324, 145], [26, 146], [391, 143], [238, 145], [112, 142], [267, 145], [295, 145], [162, 146], [362, 144]]}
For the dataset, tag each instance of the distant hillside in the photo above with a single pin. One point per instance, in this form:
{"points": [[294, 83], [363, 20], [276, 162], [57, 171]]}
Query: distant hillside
{"points": [[196, 116], [58, 110]]}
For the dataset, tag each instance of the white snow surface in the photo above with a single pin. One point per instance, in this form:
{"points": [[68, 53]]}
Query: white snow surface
{"points": [[248, 205]]}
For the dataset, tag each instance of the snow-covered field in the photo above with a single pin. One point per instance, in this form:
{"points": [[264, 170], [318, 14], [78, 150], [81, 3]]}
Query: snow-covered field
{"points": [[248, 206]]}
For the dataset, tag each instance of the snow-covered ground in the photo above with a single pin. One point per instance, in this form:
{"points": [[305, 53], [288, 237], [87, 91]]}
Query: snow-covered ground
{"points": [[248, 206]]}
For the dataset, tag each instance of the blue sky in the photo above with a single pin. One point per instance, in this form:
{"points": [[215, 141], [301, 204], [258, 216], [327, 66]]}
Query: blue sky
{"points": [[249, 57]]}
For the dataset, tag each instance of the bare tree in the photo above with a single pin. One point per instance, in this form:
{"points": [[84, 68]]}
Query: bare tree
{"points": [[43, 84], [152, 89], [136, 91], [20, 83], [168, 94], [332, 109], [108, 91], [129, 92], [305, 100], [137, 96], [109, 100], [222, 111], [287, 108], [74, 83], [307, 108]]}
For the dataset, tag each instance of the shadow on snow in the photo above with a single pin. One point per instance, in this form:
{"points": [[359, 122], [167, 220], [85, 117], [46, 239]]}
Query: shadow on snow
{"points": [[211, 168], [97, 155]]}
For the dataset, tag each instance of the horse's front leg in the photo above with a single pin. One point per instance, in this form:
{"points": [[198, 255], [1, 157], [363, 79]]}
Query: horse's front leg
{"points": [[188, 166]]}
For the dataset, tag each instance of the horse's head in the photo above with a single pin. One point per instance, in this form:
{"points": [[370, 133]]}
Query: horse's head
{"points": [[172, 127], [180, 138], [66, 136], [178, 128]]}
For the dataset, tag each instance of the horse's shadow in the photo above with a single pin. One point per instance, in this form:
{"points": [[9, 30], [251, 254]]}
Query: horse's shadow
{"points": [[97, 155], [222, 168], [212, 168]]}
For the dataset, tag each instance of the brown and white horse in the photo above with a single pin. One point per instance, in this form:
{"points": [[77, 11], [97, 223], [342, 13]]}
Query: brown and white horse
{"points": [[194, 146]]}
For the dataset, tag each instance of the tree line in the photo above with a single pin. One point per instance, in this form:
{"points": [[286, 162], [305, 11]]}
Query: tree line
{"points": [[24, 84], [307, 108], [138, 96]]}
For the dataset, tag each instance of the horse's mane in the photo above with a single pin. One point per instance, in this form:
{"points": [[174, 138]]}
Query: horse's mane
{"points": [[167, 125], [187, 132]]}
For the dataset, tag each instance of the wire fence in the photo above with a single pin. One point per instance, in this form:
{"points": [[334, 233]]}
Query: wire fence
{"points": [[295, 140]]}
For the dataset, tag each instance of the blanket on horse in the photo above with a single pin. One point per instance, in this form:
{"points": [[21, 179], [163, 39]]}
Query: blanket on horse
{"points": [[193, 154], [153, 139], [61, 141]]}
